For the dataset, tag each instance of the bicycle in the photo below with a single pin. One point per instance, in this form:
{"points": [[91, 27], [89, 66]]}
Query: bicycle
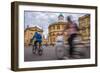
{"points": [[37, 50]]}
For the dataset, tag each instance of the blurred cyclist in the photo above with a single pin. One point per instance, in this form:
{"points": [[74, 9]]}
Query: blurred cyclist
{"points": [[72, 31]]}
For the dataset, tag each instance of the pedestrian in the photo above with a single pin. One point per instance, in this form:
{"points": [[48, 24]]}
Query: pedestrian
{"points": [[60, 39], [72, 32], [59, 50]]}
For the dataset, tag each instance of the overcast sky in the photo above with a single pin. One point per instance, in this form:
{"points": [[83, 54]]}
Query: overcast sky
{"points": [[44, 19]]}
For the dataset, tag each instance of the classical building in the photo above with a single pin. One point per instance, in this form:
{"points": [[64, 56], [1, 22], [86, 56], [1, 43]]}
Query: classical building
{"points": [[84, 25], [29, 32], [45, 41], [55, 28]]}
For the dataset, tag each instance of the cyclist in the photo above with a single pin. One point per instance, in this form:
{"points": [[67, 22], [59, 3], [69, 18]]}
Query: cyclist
{"points": [[72, 32], [37, 37]]}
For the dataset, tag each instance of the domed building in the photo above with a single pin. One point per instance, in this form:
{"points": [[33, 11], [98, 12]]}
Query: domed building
{"points": [[56, 28]]}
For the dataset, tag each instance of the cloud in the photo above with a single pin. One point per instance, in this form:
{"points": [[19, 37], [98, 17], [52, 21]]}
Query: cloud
{"points": [[44, 19]]}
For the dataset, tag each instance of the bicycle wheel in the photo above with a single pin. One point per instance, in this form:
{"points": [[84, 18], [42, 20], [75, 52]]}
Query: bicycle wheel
{"points": [[40, 52], [34, 50]]}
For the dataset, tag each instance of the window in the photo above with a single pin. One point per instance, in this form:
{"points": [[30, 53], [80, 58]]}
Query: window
{"points": [[58, 27], [53, 27], [27, 40], [31, 33], [53, 34]]}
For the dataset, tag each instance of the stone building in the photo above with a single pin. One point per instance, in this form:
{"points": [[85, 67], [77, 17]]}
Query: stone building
{"points": [[84, 25], [29, 32], [56, 28], [45, 41]]}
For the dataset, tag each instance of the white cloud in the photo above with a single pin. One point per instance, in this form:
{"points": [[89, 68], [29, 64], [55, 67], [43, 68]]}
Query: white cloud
{"points": [[44, 19]]}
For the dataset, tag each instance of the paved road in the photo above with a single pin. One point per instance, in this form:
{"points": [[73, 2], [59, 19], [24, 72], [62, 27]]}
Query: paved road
{"points": [[49, 54]]}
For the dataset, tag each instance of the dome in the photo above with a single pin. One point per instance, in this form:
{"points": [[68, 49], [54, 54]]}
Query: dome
{"points": [[61, 15]]}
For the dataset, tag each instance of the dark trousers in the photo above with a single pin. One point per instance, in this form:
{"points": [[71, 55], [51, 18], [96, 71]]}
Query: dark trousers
{"points": [[71, 43], [36, 44]]}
